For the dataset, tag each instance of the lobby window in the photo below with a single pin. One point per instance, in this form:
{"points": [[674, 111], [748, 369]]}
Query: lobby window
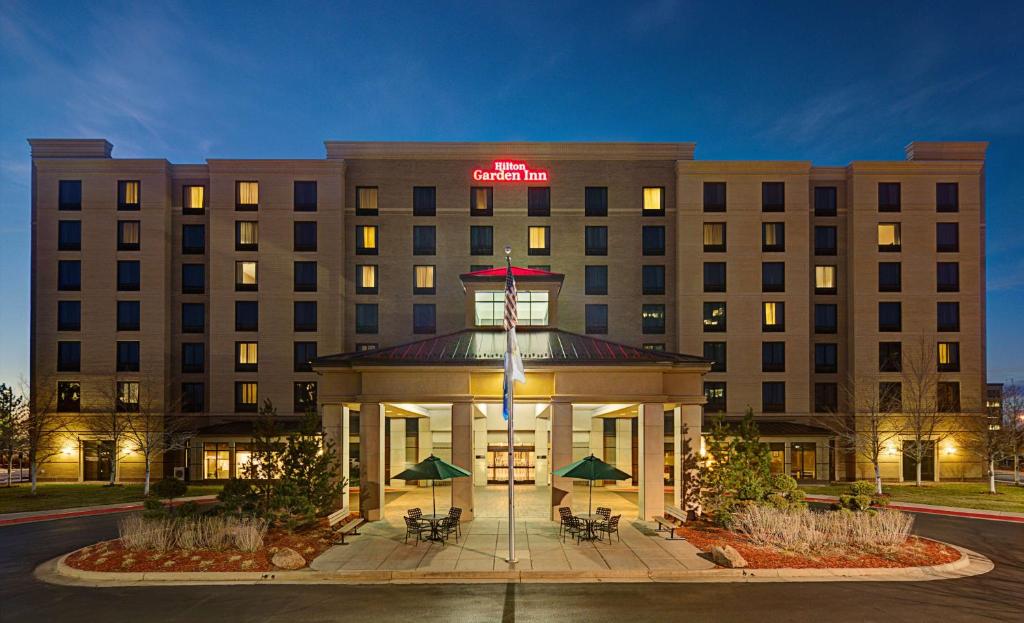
{"points": [[128, 316], [304, 354], [423, 281], [888, 196], [424, 318], [947, 237], [890, 278], [69, 315], [69, 275], [595, 280], [305, 237], [193, 397], [247, 196], [825, 358], [246, 356], [366, 279], [714, 276], [304, 398], [539, 240], [424, 240], [948, 396], [773, 276], [825, 201], [890, 396], [481, 201], [825, 318], [366, 318], [193, 239], [825, 240], [246, 396], [773, 397], [69, 236], [773, 316], [596, 318], [245, 277], [653, 279], [653, 239], [366, 240], [193, 357], [654, 201], [128, 192], [595, 201], [128, 276], [193, 278], [826, 397], [773, 237], [890, 317], [424, 201], [825, 279], [889, 237], [890, 356], [304, 196], [69, 396], [948, 316], [481, 240], [653, 317], [193, 199], [247, 316], [714, 237], [305, 316], [714, 196], [715, 353], [714, 393], [69, 195], [595, 238], [714, 317], [949, 356], [489, 308], [538, 201], [217, 459], [947, 276], [128, 396], [773, 196], [247, 236], [69, 356], [366, 201], [128, 237], [947, 197], [193, 318], [773, 356], [304, 277]]}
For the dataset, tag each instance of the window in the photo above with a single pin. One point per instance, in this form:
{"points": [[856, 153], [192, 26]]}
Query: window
{"points": [[305, 236], [304, 277], [773, 196], [216, 460], [825, 358], [127, 356], [304, 197], [305, 353], [949, 356], [247, 195], [714, 237], [890, 396], [714, 276], [654, 201], [490, 308], [128, 238], [824, 240], [304, 396], [424, 240], [947, 276], [714, 393], [193, 199], [245, 277], [888, 196], [825, 201], [947, 197], [247, 236], [424, 318], [715, 353], [193, 357], [714, 196], [538, 201], [773, 397], [655, 346], [714, 317], [773, 316], [947, 237], [595, 201], [69, 275], [366, 318], [128, 396], [653, 239], [193, 278], [69, 396], [825, 320], [825, 280], [193, 239], [69, 236], [826, 397], [246, 356], [948, 396], [481, 240], [773, 356], [653, 316], [366, 201], [247, 316], [653, 279], [69, 195], [192, 397], [128, 194], [362, 347], [890, 317], [889, 237], [423, 279], [128, 316], [596, 280], [948, 316], [890, 356], [773, 237], [366, 279], [245, 396], [540, 240], [890, 277], [193, 317], [69, 356], [481, 201], [773, 276], [128, 277], [595, 239], [596, 318], [424, 201], [69, 315], [305, 316]]}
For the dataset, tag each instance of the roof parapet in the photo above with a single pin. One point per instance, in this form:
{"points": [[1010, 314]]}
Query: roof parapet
{"points": [[424, 150], [946, 150], [70, 147]]}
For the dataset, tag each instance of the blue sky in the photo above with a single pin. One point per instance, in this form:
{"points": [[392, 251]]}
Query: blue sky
{"points": [[757, 80]]}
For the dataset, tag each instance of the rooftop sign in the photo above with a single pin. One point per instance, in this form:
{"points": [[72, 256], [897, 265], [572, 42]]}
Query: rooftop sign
{"points": [[509, 171]]}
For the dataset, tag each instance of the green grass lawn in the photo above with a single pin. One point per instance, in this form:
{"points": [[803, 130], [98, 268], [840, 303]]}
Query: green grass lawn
{"points": [[962, 494], [51, 496]]}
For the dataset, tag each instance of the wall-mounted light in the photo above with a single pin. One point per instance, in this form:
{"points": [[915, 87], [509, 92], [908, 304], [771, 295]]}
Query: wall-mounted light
{"points": [[950, 448], [890, 449], [67, 450]]}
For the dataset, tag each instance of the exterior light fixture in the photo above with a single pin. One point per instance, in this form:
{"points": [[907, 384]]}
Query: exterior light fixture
{"points": [[890, 450], [67, 450], [950, 448], [508, 250]]}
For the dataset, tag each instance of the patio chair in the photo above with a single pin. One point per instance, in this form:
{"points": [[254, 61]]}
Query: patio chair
{"points": [[605, 512], [574, 527], [415, 527], [564, 516], [455, 515], [610, 527], [446, 527], [416, 514]]}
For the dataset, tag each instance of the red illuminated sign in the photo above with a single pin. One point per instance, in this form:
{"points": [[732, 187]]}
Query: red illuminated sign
{"points": [[510, 171]]}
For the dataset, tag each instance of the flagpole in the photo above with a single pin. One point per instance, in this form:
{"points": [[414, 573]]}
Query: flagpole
{"points": [[510, 384]]}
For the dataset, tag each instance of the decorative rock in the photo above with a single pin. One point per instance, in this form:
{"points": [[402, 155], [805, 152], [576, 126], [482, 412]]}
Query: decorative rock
{"points": [[287, 558], [727, 556]]}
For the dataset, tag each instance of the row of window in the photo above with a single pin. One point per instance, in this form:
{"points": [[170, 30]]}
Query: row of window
{"points": [[193, 396], [773, 357], [773, 238], [773, 317], [773, 277], [193, 197], [193, 356], [826, 397]]}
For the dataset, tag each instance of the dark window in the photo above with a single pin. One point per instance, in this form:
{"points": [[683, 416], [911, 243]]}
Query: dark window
{"points": [[366, 318], [890, 317], [773, 276], [193, 239], [948, 396], [424, 240], [888, 196], [193, 199], [305, 316], [69, 356], [193, 278], [824, 240], [596, 280], [69, 396], [773, 397], [247, 316], [127, 356], [69, 315], [193, 357], [247, 195], [192, 397], [193, 318], [948, 316], [366, 200], [596, 319], [305, 276], [69, 275], [947, 276], [69, 236], [773, 196], [890, 356], [773, 356], [129, 194], [595, 200], [424, 318], [715, 353], [538, 201], [890, 277], [825, 318], [825, 358], [424, 201], [128, 316], [246, 398], [544, 267], [825, 201], [481, 240], [478, 267], [714, 276], [304, 396], [773, 237], [654, 239], [305, 236], [714, 237], [247, 236], [947, 197], [947, 237], [538, 239], [653, 279], [305, 197], [128, 275], [949, 356], [714, 196], [481, 201], [826, 397], [305, 353], [773, 317], [714, 393], [128, 235], [70, 195], [714, 317], [890, 396], [653, 316], [596, 239]]}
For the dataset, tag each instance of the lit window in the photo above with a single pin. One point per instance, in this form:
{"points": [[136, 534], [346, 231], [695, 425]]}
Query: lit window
{"points": [[128, 396], [424, 280], [490, 308], [714, 392], [128, 195], [714, 236], [888, 236], [245, 396], [366, 279], [540, 240], [653, 318], [949, 356], [824, 279], [304, 396], [654, 200], [366, 200], [216, 461], [366, 240], [714, 317], [193, 198], [247, 235], [245, 276], [243, 456], [773, 237], [246, 356], [128, 235], [773, 317], [247, 195], [68, 396], [481, 201]]}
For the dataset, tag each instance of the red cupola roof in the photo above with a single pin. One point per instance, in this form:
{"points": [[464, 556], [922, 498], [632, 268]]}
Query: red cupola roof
{"points": [[517, 272]]}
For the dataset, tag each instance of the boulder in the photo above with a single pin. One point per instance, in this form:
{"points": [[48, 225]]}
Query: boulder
{"points": [[287, 558], [724, 556]]}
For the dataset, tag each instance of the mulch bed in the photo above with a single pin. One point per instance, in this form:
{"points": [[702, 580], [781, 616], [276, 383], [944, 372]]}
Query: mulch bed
{"points": [[916, 552]]}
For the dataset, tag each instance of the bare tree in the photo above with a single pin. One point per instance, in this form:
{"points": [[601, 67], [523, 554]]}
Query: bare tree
{"points": [[151, 431], [13, 409], [1012, 424], [928, 417], [44, 423], [118, 404], [987, 441]]}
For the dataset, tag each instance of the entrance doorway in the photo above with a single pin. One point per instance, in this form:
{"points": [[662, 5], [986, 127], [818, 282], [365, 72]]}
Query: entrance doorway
{"points": [[803, 461], [927, 461], [524, 458], [97, 456]]}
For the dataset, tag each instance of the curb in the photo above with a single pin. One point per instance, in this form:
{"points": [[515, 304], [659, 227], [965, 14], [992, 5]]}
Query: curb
{"points": [[927, 509]]}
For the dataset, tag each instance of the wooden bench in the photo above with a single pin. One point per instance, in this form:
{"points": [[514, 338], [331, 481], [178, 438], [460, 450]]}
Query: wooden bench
{"points": [[342, 526], [676, 513], [666, 525]]}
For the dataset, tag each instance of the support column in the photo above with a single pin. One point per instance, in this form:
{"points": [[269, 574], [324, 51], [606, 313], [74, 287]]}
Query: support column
{"points": [[479, 466], [371, 461], [651, 462], [398, 462], [335, 424], [688, 434], [561, 454], [542, 466], [462, 455], [624, 448]]}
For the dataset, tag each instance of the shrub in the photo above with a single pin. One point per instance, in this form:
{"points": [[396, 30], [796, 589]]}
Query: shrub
{"points": [[862, 487], [169, 488], [138, 532], [238, 497], [814, 533], [861, 497]]}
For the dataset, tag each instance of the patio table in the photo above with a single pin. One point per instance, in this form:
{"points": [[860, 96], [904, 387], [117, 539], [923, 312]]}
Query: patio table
{"points": [[434, 520], [590, 520]]}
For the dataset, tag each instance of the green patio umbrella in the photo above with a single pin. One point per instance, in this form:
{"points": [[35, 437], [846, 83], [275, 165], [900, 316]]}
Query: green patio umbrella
{"points": [[591, 468], [433, 469]]}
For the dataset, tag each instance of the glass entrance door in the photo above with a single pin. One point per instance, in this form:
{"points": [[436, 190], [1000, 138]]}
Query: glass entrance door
{"points": [[802, 460], [524, 458], [96, 460]]}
